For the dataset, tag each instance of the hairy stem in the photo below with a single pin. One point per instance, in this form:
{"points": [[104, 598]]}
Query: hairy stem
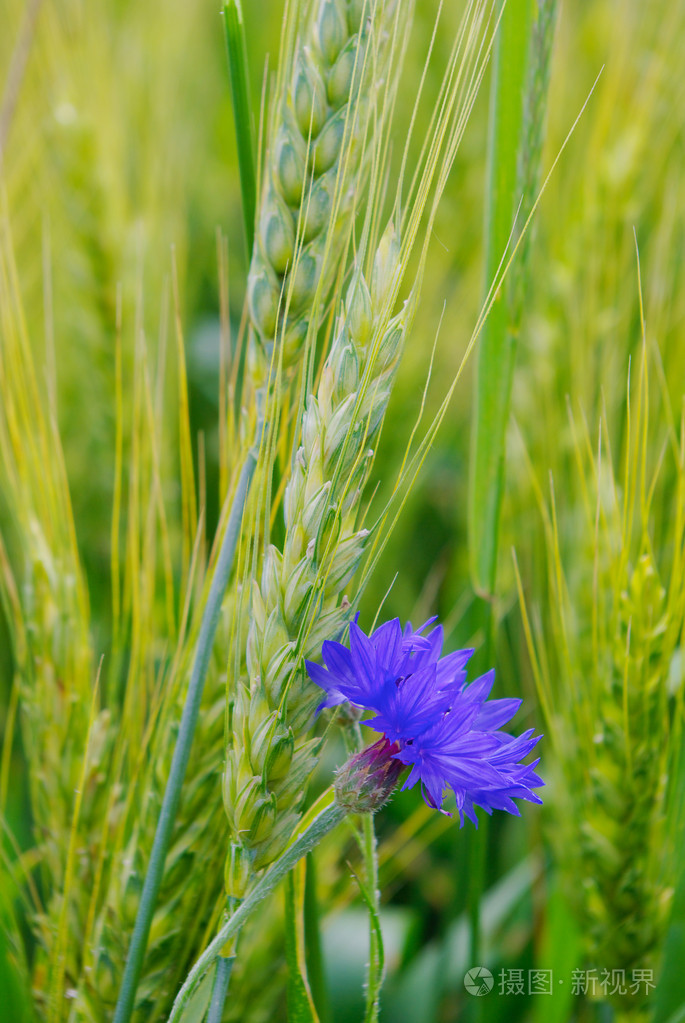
{"points": [[375, 970], [318, 829]]}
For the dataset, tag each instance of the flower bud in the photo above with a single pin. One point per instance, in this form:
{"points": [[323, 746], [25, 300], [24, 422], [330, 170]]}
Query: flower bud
{"points": [[253, 652], [242, 808], [302, 704], [315, 478], [278, 232], [259, 724], [331, 29], [271, 748], [295, 546], [356, 481], [309, 96], [365, 783], [373, 405]]}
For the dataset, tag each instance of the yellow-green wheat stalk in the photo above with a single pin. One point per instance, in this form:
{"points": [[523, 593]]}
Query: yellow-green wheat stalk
{"points": [[605, 659]]}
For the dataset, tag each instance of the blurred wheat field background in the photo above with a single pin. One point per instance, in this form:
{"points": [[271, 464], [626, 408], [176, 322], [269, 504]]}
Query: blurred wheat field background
{"points": [[545, 527]]}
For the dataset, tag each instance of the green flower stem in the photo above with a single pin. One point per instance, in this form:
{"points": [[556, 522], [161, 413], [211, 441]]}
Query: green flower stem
{"points": [[375, 971], [318, 829], [224, 966], [179, 763], [369, 851]]}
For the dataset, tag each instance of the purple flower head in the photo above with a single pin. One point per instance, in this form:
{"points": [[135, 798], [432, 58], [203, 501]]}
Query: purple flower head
{"points": [[444, 729]]}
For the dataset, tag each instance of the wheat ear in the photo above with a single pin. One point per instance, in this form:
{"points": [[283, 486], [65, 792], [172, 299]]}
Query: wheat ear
{"points": [[315, 166], [296, 604]]}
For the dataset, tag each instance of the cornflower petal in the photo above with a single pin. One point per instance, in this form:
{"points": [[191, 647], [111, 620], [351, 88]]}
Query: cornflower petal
{"points": [[387, 641], [363, 657], [479, 690], [408, 707], [496, 713], [328, 683], [450, 669], [444, 730]]}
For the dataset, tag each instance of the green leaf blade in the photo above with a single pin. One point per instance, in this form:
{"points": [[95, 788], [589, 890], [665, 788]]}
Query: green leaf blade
{"points": [[497, 347], [242, 112]]}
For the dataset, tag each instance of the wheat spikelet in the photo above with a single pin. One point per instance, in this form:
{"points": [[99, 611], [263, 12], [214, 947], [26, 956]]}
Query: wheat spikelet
{"points": [[44, 584], [614, 626], [315, 166], [82, 924]]}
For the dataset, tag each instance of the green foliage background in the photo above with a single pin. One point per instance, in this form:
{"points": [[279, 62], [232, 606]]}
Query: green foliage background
{"points": [[122, 146]]}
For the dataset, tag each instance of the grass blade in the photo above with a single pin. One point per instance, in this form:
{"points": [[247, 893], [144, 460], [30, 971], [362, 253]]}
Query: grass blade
{"points": [[300, 1002], [513, 166]]}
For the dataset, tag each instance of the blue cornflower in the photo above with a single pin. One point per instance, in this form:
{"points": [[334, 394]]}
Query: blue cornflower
{"points": [[432, 721]]}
